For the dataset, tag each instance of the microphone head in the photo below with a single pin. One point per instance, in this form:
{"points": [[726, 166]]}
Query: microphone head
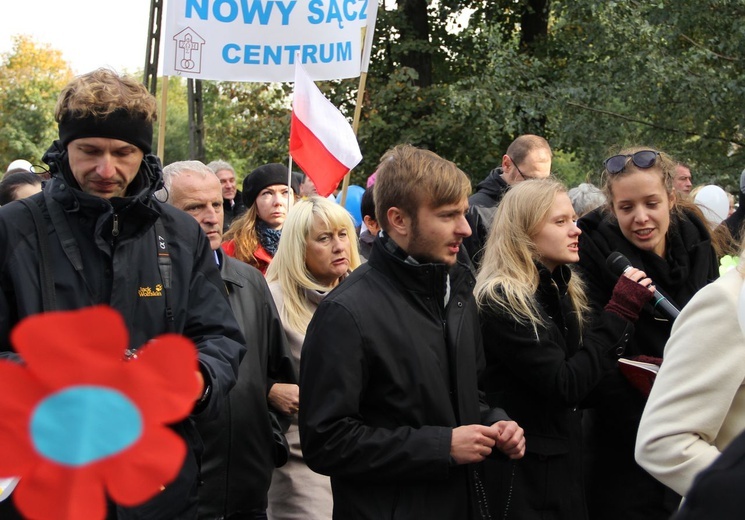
{"points": [[617, 263]]}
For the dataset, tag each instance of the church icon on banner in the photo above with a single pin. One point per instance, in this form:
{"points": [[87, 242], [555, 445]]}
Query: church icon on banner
{"points": [[188, 56]]}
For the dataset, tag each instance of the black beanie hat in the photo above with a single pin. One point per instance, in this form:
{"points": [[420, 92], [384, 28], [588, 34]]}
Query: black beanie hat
{"points": [[120, 124], [260, 178]]}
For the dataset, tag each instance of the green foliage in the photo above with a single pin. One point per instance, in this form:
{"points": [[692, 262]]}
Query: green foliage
{"points": [[603, 76], [31, 76], [176, 146], [668, 74], [247, 124], [464, 78]]}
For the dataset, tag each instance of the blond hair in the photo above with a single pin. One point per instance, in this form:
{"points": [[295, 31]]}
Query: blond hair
{"points": [[508, 276], [409, 176], [289, 266]]}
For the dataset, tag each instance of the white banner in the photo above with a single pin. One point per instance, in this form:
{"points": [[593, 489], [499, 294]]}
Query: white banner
{"points": [[259, 40]]}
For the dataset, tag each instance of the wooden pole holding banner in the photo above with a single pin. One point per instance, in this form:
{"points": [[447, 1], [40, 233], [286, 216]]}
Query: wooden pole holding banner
{"points": [[355, 126], [162, 122], [357, 115]]}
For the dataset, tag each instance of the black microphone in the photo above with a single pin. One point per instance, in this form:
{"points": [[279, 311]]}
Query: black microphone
{"points": [[619, 264]]}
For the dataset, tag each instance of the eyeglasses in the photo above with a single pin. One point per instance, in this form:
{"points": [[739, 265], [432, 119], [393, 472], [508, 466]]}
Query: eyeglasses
{"points": [[525, 177], [642, 159]]}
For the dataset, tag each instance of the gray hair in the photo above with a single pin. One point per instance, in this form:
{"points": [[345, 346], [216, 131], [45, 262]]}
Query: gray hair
{"points": [[585, 198], [220, 165], [174, 170]]}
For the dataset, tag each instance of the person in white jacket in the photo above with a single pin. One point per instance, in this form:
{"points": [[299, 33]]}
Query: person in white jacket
{"points": [[697, 404]]}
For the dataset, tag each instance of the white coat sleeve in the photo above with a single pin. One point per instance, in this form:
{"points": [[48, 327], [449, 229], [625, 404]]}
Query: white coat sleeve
{"points": [[696, 403]]}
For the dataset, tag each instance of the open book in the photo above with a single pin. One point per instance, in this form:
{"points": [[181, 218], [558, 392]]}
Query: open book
{"points": [[640, 371]]}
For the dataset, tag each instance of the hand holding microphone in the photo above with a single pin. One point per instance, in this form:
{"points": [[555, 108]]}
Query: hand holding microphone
{"points": [[619, 265]]}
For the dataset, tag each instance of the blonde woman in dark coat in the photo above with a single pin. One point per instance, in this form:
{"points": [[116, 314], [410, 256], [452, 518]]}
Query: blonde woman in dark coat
{"points": [[543, 356]]}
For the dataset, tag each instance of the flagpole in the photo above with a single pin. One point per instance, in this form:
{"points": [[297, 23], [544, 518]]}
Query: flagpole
{"points": [[162, 123], [290, 193], [289, 164], [355, 126], [357, 115]]}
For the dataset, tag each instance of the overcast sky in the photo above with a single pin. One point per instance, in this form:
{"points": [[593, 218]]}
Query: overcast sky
{"points": [[90, 33]]}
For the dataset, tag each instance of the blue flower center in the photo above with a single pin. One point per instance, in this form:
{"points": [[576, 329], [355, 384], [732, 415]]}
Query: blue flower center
{"points": [[83, 424]]}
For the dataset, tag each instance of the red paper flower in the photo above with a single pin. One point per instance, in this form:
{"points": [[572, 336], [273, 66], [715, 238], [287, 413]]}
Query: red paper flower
{"points": [[77, 422]]}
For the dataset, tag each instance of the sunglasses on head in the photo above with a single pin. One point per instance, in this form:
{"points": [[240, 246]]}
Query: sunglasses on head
{"points": [[641, 159]]}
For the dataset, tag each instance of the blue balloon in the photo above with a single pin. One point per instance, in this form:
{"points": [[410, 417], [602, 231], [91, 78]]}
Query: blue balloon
{"points": [[353, 203]]}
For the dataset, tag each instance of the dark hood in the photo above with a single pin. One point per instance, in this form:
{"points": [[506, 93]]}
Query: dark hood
{"points": [[148, 180], [494, 184]]}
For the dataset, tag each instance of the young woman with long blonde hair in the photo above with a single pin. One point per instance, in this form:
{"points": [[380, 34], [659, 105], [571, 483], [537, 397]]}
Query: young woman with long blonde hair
{"points": [[317, 251], [543, 354]]}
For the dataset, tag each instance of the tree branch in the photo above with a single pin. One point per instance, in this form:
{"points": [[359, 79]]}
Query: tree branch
{"points": [[692, 42], [653, 125]]}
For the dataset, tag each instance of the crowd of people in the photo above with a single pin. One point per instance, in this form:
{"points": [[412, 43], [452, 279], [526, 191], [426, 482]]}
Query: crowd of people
{"points": [[450, 356]]}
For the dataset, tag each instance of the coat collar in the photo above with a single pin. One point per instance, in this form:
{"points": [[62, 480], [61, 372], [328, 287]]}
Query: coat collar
{"points": [[428, 280], [559, 277], [228, 270], [494, 184], [136, 213]]}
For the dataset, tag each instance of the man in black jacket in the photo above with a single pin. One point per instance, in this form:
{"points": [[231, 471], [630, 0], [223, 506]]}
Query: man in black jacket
{"points": [[527, 157], [389, 403], [106, 240], [245, 443]]}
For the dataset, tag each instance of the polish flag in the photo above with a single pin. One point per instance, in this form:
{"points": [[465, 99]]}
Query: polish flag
{"points": [[322, 142]]}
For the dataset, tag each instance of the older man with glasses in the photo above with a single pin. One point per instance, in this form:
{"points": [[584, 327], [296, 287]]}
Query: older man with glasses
{"points": [[527, 157]]}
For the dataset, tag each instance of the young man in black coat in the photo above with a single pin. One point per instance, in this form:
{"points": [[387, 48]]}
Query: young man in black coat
{"points": [[389, 403]]}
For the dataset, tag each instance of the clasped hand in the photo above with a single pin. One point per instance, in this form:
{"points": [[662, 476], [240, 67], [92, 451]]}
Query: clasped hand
{"points": [[474, 442]]}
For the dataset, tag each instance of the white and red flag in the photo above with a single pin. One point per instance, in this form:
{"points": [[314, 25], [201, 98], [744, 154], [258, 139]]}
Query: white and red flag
{"points": [[322, 142]]}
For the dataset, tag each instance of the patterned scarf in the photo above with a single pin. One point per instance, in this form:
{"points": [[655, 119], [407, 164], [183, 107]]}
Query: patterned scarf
{"points": [[268, 237]]}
